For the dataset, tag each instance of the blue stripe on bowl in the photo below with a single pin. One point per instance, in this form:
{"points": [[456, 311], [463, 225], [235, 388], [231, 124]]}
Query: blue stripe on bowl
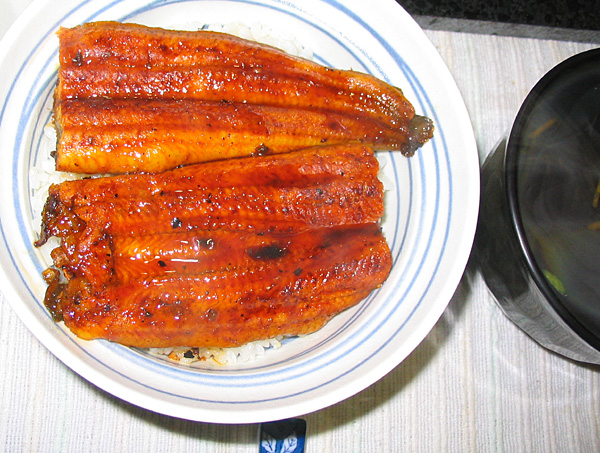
{"points": [[263, 375]]}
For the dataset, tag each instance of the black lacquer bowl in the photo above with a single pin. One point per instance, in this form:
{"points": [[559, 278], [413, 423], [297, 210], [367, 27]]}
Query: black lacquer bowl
{"points": [[538, 238]]}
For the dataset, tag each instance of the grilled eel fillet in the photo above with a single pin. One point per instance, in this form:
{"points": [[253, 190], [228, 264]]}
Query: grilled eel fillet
{"points": [[134, 98], [217, 254]]}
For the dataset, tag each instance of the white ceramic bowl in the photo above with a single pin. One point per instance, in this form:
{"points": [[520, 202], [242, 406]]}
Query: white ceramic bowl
{"points": [[431, 210]]}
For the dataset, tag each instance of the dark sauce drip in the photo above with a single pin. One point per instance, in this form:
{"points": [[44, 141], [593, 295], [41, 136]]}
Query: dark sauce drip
{"points": [[267, 252]]}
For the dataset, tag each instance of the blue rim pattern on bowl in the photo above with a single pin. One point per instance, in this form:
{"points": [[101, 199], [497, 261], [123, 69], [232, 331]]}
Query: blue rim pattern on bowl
{"points": [[416, 211]]}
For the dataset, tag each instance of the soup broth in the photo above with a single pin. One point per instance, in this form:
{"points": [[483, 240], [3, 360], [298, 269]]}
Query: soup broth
{"points": [[558, 191]]}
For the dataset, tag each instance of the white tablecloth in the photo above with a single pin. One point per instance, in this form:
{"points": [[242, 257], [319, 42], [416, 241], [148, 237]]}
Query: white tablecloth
{"points": [[475, 384]]}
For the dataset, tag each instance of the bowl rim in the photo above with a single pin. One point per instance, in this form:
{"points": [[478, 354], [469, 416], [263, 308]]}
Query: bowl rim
{"points": [[457, 179], [510, 181]]}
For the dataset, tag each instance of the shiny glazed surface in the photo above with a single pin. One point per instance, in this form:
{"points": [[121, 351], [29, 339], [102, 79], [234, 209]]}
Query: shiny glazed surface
{"points": [[218, 254], [135, 98]]}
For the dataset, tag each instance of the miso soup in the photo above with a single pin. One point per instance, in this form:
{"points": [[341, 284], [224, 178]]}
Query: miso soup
{"points": [[558, 192]]}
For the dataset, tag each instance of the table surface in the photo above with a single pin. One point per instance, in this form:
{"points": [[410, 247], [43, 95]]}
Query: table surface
{"points": [[476, 383]]}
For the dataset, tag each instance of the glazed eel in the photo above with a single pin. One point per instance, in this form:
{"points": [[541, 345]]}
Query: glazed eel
{"points": [[217, 254], [135, 98]]}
